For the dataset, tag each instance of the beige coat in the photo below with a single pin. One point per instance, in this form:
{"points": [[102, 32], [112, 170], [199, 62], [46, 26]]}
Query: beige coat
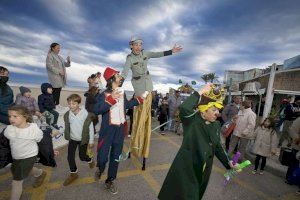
{"points": [[265, 141], [245, 124], [54, 65]]}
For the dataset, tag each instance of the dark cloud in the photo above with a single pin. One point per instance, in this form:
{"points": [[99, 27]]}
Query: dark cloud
{"points": [[216, 36]]}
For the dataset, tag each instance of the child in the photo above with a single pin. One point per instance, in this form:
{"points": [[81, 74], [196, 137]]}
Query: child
{"points": [[25, 99], [6, 95], [90, 102], [47, 105], [265, 143], [111, 104], [163, 111], [79, 131], [23, 136]]}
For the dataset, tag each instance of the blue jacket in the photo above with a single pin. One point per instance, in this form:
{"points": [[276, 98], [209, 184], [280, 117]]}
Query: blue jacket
{"points": [[5, 102], [103, 106], [45, 100]]}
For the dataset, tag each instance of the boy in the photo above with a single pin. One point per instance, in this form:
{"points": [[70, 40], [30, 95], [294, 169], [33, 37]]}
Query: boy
{"points": [[47, 105], [79, 131], [111, 104]]}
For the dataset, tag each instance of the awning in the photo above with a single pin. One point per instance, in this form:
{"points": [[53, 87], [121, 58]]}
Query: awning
{"points": [[287, 92]]}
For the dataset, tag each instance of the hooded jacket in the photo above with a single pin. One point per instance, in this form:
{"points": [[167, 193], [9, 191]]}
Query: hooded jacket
{"points": [[45, 100]]}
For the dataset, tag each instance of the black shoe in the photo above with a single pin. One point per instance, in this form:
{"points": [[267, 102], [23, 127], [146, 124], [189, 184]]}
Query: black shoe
{"points": [[111, 187], [97, 175]]}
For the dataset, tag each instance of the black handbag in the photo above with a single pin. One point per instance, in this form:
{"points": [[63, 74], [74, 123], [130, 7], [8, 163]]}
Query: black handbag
{"points": [[286, 156]]}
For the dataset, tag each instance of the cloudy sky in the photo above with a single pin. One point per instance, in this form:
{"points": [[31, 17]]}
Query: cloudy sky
{"points": [[216, 35]]}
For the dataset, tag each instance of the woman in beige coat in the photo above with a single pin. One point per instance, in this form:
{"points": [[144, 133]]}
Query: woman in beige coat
{"points": [[56, 69], [265, 143], [244, 130]]}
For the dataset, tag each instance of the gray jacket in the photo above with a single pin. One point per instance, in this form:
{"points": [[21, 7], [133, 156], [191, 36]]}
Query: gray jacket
{"points": [[54, 64], [141, 78], [229, 112], [174, 102]]}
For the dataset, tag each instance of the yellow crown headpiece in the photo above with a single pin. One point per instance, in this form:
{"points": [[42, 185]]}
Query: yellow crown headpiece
{"points": [[214, 97]]}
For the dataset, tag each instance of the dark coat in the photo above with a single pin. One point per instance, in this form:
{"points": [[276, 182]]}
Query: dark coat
{"points": [[5, 152], [6, 100], [45, 100], [163, 111], [46, 153], [90, 101], [189, 173]]}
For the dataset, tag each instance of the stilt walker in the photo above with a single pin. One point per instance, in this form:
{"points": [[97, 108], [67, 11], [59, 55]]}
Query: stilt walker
{"points": [[141, 81]]}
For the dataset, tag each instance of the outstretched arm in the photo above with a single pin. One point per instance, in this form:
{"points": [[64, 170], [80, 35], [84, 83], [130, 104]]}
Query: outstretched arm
{"points": [[176, 48]]}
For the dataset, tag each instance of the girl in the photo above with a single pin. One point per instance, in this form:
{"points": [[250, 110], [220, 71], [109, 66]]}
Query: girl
{"points": [[23, 136], [265, 143]]}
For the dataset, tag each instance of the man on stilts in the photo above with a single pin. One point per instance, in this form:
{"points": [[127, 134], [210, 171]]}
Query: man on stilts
{"points": [[141, 81]]}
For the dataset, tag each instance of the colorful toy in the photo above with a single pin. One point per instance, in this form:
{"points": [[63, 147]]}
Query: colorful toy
{"points": [[230, 173]]}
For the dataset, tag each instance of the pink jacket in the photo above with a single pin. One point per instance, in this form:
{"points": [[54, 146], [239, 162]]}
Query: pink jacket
{"points": [[245, 124]]}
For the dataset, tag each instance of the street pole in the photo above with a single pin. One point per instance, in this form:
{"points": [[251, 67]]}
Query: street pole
{"points": [[229, 91], [270, 93]]}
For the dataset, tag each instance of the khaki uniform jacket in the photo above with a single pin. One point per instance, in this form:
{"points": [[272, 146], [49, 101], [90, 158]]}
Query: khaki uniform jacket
{"points": [[141, 78], [53, 68]]}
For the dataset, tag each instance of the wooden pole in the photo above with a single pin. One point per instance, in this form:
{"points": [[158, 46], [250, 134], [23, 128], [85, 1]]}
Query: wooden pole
{"points": [[270, 93]]}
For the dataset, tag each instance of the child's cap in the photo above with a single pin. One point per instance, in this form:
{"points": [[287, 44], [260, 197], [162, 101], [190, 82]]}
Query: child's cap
{"points": [[23, 90]]}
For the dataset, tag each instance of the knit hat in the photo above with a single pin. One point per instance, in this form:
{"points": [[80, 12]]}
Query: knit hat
{"points": [[24, 90], [109, 72]]}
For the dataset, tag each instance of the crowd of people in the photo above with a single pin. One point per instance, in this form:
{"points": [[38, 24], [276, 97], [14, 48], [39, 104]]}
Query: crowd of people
{"points": [[261, 138], [173, 111]]}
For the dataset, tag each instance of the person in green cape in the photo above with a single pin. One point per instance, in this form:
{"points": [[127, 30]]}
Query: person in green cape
{"points": [[189, 173]]}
